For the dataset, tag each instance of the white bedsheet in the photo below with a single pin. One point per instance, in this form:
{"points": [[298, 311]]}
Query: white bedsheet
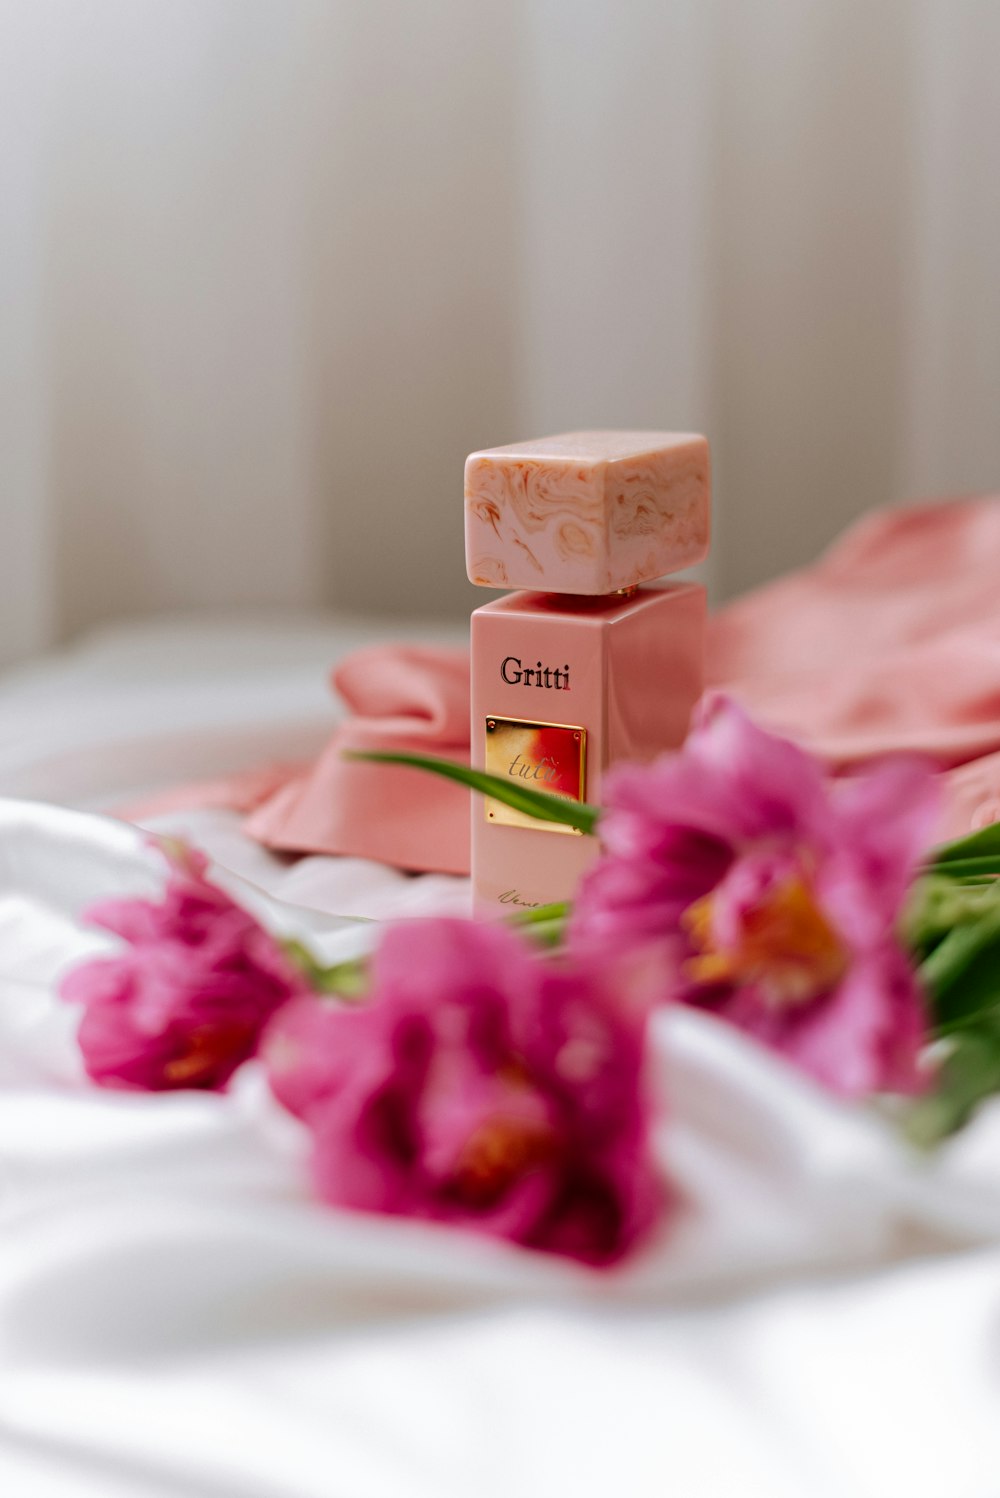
{"points": [[178, 1317]]}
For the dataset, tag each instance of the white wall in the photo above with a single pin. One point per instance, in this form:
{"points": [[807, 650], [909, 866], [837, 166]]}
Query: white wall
{"points": [[269, 268]]}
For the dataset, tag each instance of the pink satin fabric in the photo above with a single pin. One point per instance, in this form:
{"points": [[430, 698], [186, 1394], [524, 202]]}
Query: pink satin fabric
{"points": [[891, 641], [412, 699], [406, 699]]}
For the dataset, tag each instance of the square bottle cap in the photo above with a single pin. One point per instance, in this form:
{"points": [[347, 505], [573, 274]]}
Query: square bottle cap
{"points": [[586, 512]]}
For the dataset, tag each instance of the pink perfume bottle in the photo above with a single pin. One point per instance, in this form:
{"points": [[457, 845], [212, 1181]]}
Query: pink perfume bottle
{"points": [[590, 666]]}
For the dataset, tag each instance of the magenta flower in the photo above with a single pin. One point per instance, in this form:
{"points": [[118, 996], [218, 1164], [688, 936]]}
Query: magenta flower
{"points": [[184, 1002], [480, 1084], [775, 892]]}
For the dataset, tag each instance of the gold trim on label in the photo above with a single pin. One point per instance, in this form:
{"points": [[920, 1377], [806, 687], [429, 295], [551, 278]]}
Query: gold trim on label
{"points": [[546, 756]]}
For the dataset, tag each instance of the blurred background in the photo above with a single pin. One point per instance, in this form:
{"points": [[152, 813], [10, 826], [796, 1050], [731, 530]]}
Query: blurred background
{"points": [[270, 268]]}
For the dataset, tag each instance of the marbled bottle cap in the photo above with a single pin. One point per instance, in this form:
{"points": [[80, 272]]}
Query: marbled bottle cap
{"points": [[586, 512]]}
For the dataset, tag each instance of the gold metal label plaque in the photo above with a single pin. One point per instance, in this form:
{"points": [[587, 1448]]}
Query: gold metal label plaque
{"points": [[548, 757]]}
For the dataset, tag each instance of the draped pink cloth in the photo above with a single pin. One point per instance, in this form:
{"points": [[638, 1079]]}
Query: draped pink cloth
{"points": [[403, 698], [891, 641]]}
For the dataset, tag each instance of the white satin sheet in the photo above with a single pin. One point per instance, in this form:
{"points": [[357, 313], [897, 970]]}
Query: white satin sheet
{"points": [[821, 1318]]}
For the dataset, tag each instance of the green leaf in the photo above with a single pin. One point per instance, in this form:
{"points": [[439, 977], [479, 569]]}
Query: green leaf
{"points": [[962, 973], [981, 845], [542, 913], [539, 804], [964, 868], [546, 924], [347, 980], [547, 933], [936, 905], [969, 1074]]}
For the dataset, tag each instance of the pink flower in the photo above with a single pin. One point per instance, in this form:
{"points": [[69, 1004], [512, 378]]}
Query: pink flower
{"points": [[481, 1084], [184, 1002], [776, 893]]}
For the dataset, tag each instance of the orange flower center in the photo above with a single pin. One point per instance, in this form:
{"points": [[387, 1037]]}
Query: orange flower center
{"points": [[207, 1047], [784, 946], [499, 1151]]}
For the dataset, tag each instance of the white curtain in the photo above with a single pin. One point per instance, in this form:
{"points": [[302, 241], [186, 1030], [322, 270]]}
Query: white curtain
{"points": [[269, 268]]}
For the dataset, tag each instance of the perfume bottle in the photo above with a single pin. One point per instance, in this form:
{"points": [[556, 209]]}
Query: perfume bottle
{"points": [[588, 665]]}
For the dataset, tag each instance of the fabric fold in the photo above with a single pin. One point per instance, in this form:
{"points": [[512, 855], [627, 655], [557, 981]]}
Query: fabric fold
{"points": [[889, 643], [405, 699]]}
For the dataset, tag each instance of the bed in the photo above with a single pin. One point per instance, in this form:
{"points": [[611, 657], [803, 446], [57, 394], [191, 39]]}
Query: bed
{"points": [[179, 1316]]}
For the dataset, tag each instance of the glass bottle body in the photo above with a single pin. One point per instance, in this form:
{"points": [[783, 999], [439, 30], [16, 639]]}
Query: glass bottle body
{"points": [[563, 687]]}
